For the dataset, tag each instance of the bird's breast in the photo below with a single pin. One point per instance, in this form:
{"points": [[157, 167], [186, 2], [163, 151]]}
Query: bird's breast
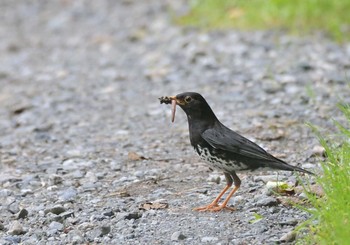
{"points": [[219, 160]]}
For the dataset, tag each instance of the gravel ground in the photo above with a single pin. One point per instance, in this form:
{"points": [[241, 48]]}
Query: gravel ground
{"points": [[88, 155]]}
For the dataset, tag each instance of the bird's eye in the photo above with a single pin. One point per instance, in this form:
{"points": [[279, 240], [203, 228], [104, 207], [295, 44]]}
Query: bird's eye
{"points": [[188, 99]]}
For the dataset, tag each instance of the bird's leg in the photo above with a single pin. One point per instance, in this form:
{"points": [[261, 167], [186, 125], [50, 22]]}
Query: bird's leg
{"points": [[214, 203], [224, 204], [216, 207], [237, 183]]}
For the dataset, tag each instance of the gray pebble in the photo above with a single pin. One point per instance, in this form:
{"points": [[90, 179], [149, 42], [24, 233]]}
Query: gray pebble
{"points": [[291, 222], [133, 216], [177, 236], [115, 166], [108, 213], [12, 240], [76, 237], [271, 86], [68, 194], [105, 230], [288, 237], [68, 214], [25, 192], [318, 150], [78, 174], [139, 174], [55, 179], [16, 229], [5, 192], [209, 239], [266, 201], [303, 196], [308, 166], [55, 227], [23, 213], [55, 210]]}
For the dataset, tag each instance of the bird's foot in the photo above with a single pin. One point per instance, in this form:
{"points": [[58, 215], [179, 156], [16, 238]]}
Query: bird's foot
{"points": [[214, 207]]}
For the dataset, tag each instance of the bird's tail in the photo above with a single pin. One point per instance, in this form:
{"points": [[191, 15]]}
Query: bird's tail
{"points": [[279, 164], [295, 168]]}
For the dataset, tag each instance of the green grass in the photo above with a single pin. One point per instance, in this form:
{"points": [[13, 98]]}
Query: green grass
{"points": [[298, 16], [330, 220]]}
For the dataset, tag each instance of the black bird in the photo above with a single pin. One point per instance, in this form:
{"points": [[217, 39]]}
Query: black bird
{"points": [[221, 147]]}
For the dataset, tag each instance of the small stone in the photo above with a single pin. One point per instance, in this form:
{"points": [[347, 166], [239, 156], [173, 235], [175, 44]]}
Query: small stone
{"points": [[133, 156], [305, 66], [78, 174], [177, 236], [308, 166], [288, 237], [12, 240], [96, 217], [291, 222], [133, 216], [317, 190], [108, 213], [23, 213], [55, 180], [292, 89], [156, 205], [265, 178], [52, 188], [115, 166], [318, 150], [55, 210], [67, 214], [76, 238], [105, 230], [16, 229], [139, 173], [56, 226], [271, 86], [314, 189], [68, 195], [5, 192], [267, 201], [214, 178], [210, 239], [25, 192], [2, 227], [238, 199], [74, 153], [85, 226], [275, 186]]}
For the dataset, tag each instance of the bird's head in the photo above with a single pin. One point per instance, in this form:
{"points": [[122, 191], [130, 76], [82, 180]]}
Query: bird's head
{"points": [[193, 104]]}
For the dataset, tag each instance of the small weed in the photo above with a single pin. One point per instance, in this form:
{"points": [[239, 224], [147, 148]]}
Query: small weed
{"points": [[331, 214]]}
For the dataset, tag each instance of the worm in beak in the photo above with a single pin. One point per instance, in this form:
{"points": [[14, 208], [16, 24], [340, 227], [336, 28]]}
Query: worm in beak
{"points": [[173, 109], [170, 100]]}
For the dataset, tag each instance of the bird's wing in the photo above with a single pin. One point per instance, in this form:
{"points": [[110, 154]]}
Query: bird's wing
{"points": [[229, 140]]}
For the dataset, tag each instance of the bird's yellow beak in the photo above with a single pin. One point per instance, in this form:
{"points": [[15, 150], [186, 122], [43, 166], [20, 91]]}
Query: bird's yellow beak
{"points": [[173, 101], [178, 101]]}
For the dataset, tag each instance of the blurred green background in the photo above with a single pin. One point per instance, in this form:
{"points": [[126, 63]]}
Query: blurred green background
{"points": [[297, 16]]}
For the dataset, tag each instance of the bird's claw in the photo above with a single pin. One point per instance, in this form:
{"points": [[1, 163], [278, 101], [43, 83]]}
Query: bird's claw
{"points": [[214, 207]]}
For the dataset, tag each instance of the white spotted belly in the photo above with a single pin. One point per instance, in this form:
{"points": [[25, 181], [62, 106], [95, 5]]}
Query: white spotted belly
{"points": [[219, 163]]}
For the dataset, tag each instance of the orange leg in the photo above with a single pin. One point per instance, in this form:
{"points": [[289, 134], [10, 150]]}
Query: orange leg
{"points": [[224, 204], [215, 202], [214, 206]]}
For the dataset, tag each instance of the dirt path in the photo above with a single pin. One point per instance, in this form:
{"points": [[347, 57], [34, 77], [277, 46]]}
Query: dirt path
{"points": [[79, 86]]}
